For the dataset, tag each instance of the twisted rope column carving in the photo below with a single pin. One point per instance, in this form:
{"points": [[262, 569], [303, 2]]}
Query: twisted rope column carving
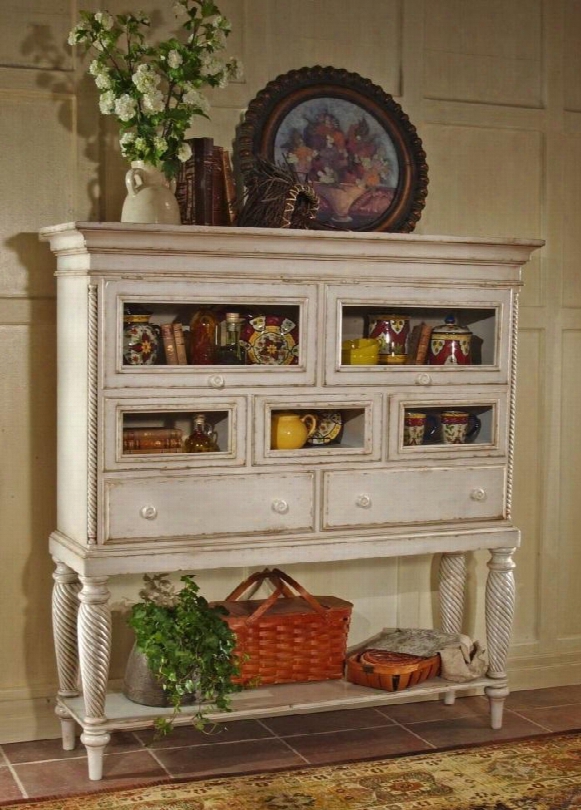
{"points": [[499, 610], [65, 605], [512, 408], [92, 370], [452, 588], [94, 646]]}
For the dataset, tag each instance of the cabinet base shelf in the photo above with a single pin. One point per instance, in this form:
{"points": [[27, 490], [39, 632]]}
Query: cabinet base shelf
{"points": [[303, 698]]}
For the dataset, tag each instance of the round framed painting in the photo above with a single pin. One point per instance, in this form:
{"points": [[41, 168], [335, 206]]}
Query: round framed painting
{"points": [[349, 139]]}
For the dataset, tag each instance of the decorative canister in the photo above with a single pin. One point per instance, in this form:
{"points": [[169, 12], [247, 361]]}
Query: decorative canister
{"points": [[141, 339], [450, 344], [392, 333]]}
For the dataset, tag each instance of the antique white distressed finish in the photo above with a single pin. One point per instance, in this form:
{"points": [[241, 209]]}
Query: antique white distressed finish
{"points": [[368, 497]]}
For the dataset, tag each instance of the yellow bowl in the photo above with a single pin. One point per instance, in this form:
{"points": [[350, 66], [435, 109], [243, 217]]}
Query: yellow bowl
{"points": [[360, 352]]}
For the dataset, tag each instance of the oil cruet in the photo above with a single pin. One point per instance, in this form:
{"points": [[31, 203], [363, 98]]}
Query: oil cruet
{"points": [[203, 438]]}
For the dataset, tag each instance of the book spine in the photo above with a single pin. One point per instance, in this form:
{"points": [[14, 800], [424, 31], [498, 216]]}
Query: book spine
{"points": [[218, 203], [423, 344], [185, 193], [178, 334], [229, 188], [150, 444], [150, 450], [203, 151], [152, 433], [413, 341], [169, 344]]}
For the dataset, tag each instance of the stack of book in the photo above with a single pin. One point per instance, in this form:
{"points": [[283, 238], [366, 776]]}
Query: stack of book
{"points": [[152, 440], [418, 344], [205, 188], [174, 344]]}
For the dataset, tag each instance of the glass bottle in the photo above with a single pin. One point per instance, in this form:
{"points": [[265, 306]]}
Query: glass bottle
{"points": [[203, 338], [203, 438], [230, 352]]}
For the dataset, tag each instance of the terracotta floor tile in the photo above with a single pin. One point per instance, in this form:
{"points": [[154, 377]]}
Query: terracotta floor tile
{"points": [[70, 775], [555, 718], [40, 750], [553, 696], [435, 710], [356, 744], [290, 725], [183, 736], [469, 730], [8, 786], [237, 757]]}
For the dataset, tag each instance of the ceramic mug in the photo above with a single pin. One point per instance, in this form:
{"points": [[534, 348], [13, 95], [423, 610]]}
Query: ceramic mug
{"points": [[459, 427], [417, 427]]}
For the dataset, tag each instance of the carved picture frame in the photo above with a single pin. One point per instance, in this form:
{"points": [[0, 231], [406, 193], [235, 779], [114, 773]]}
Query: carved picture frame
{"points": [[347, 137]]}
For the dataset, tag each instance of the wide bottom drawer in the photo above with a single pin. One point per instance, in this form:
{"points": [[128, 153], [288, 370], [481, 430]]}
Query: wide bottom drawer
{"points": [[421, 495], [208, 505]]}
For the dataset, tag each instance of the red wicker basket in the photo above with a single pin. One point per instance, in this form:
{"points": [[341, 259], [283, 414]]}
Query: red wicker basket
{"points": [[287, 638], [391, 671]]}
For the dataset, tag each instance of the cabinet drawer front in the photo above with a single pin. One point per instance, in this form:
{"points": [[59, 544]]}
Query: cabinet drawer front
{"points": [[208, 505], [413, 496]]}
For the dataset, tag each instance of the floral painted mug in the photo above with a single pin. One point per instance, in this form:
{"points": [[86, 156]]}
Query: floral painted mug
{"points": [[459, 427]]}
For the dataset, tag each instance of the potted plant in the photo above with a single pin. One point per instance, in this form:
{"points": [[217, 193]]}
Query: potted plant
{"points": [[188, 647]]}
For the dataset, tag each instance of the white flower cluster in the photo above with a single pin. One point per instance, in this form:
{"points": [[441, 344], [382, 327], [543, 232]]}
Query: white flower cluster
{"points": [[156, 92]]}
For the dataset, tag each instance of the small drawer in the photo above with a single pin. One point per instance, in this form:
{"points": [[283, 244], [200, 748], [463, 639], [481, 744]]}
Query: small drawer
{"points": [[195, 506], [418, 495]]}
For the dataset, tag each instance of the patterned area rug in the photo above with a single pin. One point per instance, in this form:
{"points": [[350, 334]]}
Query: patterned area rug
{"points": [[543, 773]]}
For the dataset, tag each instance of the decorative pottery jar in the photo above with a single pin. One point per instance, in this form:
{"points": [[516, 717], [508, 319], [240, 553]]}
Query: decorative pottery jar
{"points": [[392, 333], [150, 197], [450, 344], [141, 339], [290, 431]]}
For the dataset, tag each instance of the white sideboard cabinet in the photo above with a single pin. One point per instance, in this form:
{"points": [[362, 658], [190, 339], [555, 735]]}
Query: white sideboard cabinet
{"points": [[365, 495]]}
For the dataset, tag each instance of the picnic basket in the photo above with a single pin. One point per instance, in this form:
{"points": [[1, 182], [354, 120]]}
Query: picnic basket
{"points": [[289, 637]]}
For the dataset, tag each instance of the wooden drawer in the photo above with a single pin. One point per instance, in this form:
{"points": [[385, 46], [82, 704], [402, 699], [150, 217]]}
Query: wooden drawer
{"points": [[419, 495], [191, 506]]}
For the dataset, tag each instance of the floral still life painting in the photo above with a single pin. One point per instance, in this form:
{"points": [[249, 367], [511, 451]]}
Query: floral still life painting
{"points": [[347, 138]]}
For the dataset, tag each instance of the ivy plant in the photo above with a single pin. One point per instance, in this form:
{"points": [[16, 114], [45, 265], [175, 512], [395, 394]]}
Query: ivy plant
{"points": [[189, 647]]}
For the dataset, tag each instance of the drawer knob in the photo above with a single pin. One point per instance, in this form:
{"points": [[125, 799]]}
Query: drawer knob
{"points": [[148, 512], [280, 506], [478, 494], [423, 379], [216, 381], [363, 501]]}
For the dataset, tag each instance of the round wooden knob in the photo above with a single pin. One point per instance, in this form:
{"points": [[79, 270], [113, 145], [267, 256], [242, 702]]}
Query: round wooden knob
{"points": [[280, 506], [148, 512], [363, 501]]}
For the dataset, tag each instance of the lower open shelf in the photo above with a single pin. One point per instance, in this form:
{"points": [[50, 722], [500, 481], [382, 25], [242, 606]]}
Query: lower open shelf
{"points": [[300, 698]]}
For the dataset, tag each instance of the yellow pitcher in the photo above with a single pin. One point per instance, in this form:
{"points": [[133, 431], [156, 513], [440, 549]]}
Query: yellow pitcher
{"points": [[290, 431]]}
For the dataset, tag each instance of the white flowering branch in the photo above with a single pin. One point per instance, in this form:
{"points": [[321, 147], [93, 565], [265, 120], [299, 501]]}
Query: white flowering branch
{"points": [[155, 91]]}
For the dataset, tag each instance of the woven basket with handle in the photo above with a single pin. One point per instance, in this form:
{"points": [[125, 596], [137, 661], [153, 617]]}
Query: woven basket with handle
{"points": [[289, 637]]}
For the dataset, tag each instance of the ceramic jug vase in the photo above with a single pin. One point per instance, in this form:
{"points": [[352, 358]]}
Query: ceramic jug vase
{"points": [[150, 197], [290, 431]]}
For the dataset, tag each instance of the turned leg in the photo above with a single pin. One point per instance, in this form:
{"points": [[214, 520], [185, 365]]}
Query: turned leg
{"points": [[95, 654], [452, 588], [500, 602], [65, 606]]}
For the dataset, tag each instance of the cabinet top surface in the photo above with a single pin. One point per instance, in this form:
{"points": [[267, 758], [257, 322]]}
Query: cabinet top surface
{"points": [[96, 237]]}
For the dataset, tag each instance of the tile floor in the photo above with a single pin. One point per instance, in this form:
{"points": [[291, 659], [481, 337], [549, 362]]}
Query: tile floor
{"points": [[42, 768]]}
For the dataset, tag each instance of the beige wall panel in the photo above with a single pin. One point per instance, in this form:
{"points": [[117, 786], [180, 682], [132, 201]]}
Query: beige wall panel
{"points": [[486, 182], [36, 190], [33, 33], [27, 503], [572, 55], [528, 481], [484, 52], [363, 37], [570, 183], [566, 535]]}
